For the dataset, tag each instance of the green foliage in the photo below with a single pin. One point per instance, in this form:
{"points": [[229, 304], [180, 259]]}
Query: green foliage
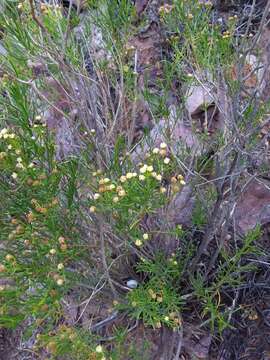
{"points": [[157, 301], [54, 215], [203, 40], [230, 273]]}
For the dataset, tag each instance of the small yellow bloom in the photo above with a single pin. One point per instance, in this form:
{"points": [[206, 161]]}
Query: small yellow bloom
{"points": [[159, 299], [2, 268], [173, 180], [116, 199], [96, 196], [60, 282], [129, 175], [182, 182], [134, 304], [143, 169], [93, 131], [60, 266], [166, 161], [162, 190], [3, 132], [150, 168], [38, 117], [52, 251], [166, 318], [134, 174], [9, 147], [63, 247], [190, 16], [138, 242], [19, 166], [14, 175], [145, 236], [163, 145], [99, 349], [155, 150], [123, 179], [9, 257], [159, 177], [141, 177], [61, 240], [163, 152], [111, 187], [122, 193], [92, 209]]}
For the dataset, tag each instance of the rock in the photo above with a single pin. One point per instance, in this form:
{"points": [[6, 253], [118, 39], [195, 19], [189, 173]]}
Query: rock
{"points": [[198, 97], [253, 206], [91, 38], [179, 210], [178, 132], [254, 73]]}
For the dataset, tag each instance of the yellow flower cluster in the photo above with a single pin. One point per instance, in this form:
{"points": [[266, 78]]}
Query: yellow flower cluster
{"points": [[226, 35], [4, 134], [139, 242], [165, 9], [62, 242], [162, 150]]}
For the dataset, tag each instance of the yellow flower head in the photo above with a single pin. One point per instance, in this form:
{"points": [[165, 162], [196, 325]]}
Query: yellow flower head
{"points": [[122, 193], [163, 145], [9, 257], [166, 161], [99, 349], [145, 236], [143, 169], [129, 175], [60, 282], [138, 242]]}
